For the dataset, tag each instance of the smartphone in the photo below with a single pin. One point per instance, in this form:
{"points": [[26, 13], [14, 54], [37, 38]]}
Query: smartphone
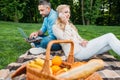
{"points": [[62, 16]]}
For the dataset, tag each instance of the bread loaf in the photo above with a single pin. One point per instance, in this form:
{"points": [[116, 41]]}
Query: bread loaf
{"points": [[83, 71]]}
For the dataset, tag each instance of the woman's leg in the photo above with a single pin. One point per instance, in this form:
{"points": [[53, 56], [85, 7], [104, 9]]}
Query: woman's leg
{"points": [[104, 49], [99, 45]]}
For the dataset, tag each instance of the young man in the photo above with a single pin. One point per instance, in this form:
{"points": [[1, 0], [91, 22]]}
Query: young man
{"points": [[50, 17]]}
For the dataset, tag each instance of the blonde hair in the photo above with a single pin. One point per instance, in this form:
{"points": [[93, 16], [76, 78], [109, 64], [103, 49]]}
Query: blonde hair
{"points": [[59, 22]]}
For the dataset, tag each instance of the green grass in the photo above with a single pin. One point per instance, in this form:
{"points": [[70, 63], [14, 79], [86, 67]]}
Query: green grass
{"points": [[12, 45]]}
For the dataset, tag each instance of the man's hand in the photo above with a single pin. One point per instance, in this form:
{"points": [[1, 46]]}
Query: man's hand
{"points": [[84, 43], [33, 35]]}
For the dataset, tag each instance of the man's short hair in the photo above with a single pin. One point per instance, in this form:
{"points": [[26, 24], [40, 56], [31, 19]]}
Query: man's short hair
{"points": [[45, 2]]}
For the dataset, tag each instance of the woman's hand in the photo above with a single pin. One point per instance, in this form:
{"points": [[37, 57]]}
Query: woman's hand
{"points": [[63, 18], [84, 43]]}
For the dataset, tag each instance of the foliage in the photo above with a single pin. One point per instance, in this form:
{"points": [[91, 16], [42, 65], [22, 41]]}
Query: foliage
{"points": [[110, 13], [114, 12], [94, 11], [91, 10], [12, 9], [31, 13]]}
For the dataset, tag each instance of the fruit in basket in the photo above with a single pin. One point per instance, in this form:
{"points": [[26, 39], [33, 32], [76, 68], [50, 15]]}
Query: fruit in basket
{"points": [[34, 65], [55, 68], [76, 64], [39, 61], [61, 71], [57, 60]]}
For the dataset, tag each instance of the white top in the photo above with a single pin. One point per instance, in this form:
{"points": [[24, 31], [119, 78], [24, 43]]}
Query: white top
{"points": [[68, 34]]}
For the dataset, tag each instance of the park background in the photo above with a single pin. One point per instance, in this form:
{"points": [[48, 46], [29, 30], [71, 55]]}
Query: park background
{"points": [[83, 12], [91, 17]]}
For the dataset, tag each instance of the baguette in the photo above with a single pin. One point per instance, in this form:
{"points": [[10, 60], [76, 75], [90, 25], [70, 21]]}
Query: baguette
{"points": [[83, 71]]}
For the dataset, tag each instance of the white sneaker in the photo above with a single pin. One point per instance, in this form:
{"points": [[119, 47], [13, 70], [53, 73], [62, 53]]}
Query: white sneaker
{"points": [[32, 45]]}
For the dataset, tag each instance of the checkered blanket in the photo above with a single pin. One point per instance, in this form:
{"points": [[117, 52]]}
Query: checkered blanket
{"points": [[111, 71]]}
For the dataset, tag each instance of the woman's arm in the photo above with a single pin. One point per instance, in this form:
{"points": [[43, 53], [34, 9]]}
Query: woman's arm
{"points": [[83, 42]]}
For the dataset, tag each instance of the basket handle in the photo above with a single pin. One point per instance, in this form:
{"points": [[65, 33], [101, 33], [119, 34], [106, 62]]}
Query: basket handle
{"points": [[46, 68]]}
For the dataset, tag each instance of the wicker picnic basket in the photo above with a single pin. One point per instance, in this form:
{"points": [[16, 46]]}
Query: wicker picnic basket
{"points": [[45, 74]]}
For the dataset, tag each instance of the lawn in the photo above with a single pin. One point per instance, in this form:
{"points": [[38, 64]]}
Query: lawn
{"points": [[12, 45]]}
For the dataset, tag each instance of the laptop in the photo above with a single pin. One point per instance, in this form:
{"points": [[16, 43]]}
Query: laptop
{"points": [[30, 40]]}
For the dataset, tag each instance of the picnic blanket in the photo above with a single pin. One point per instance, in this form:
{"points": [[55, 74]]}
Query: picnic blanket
{"points": [[111, 71]]}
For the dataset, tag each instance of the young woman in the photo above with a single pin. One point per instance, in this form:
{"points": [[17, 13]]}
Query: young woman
{"points": [[83, 49]]}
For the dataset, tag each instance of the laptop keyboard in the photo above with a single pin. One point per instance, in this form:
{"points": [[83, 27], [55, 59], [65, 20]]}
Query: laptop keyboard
{"points": [[37, 39]]}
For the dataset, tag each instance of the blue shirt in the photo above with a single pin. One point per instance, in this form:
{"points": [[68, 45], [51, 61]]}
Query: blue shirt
{"points": [[48, 23]]}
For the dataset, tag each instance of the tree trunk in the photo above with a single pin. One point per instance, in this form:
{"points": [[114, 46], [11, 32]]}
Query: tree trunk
{"points": [[88, 22], [15, 18], [82, 8], [109, 19], [91, 5]]}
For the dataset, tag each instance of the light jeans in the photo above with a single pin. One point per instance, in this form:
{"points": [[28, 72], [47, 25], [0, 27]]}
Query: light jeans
{"points": [[44, 42], [99, 45]]}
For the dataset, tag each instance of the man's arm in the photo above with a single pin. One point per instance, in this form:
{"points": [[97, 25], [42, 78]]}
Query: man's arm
{"points": [[39, 32], [52, 20], [43, 28]]}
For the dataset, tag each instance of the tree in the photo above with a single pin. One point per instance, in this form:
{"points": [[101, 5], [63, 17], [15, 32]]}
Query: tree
{"points": [[114, 12], [90, 11], [110, 13], [12, 9], [86, 12], [31, 13]]}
